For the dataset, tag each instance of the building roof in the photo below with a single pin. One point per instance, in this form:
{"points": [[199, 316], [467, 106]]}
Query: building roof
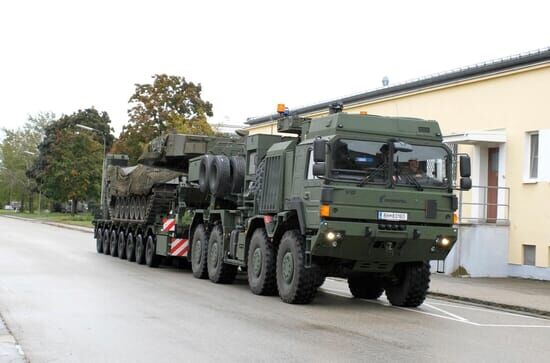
{"points": [[455, 75]]}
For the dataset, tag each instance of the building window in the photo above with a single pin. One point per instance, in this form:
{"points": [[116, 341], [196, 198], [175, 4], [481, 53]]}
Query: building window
{"points": [[533, 141], [529, 255]]}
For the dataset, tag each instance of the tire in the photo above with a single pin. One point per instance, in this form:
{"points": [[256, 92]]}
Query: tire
{"points": [[140, 249], [130, 247], [366, 286], [411, 287], [204, 173], [320, 276], [238, 169], [262, 264], [295, 282], [106, 243], [218, 271], [99, 240], [219, 178], [151, 257], [113, 244], [199, 252], [121, 246]]}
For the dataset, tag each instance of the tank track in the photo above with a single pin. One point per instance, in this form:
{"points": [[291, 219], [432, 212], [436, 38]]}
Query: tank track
{"points": [[144, 209]]}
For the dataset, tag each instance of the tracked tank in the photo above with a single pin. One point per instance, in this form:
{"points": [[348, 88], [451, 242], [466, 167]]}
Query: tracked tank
{"points": [[147, 190]]}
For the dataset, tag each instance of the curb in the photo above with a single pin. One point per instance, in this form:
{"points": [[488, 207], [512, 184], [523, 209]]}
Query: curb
{"points": [[500, 306], [10, 350], [55, 224]]}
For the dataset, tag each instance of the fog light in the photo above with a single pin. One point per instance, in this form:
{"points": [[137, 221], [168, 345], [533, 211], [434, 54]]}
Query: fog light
{"points": [[331, 236]]}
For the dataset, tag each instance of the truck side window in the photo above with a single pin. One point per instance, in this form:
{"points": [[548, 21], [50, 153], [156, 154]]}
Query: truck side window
{"points": [[309, 172], [252, 163]]}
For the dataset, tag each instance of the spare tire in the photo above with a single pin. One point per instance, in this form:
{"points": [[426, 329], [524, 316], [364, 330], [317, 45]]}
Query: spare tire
{"points": [[238, 169], [220, 176], [204, 172]]}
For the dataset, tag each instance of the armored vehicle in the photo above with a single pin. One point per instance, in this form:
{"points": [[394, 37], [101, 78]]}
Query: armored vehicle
{"points": [[361, 197]]}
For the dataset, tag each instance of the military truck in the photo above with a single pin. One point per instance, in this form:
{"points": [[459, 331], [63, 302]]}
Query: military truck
{"points": [[361, 197]]}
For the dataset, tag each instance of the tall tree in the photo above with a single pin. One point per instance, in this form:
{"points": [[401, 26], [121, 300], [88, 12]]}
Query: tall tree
{"points": [[69, 163], [18, 152], [169, 104]]}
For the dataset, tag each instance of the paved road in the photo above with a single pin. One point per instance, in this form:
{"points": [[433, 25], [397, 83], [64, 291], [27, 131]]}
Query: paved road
{"points": [[66, 303]]}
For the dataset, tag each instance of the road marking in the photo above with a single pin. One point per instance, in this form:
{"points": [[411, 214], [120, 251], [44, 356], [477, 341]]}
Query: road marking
{"points": [[448, 315], [494, 311]]}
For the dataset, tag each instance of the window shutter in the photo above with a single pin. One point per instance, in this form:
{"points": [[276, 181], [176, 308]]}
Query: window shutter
{"points": [[544, 155]]}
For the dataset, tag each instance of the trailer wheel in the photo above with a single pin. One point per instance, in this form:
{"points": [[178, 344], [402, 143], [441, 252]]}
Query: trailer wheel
{"points": [[106, 243], [140, 249], [121, 246], [113, 241], [130, 248], [99, 240], [199, 252], [204, 172], [220, 176], [411, 285], [295, 282], [262, 264], [151, 257], [218, 271], [365, 286], [238, 169]]}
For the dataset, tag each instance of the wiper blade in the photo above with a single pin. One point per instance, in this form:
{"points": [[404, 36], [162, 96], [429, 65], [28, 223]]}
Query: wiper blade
{"points": [[372, 174], [411, 179]]}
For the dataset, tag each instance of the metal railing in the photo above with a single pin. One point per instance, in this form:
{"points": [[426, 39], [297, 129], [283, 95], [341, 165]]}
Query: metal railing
{"points": [[477, 209]]}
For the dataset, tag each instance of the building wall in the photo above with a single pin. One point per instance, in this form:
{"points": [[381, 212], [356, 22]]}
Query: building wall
{"points": [[516, 101]]}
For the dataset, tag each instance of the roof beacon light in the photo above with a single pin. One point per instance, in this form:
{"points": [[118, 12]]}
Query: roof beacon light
{"points": [[281, 108]]}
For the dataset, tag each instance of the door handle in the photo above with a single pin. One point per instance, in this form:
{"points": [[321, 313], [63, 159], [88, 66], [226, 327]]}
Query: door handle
{"points": [[306, 195]]}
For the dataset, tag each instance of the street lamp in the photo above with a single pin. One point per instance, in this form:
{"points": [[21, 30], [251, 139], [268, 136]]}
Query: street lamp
{"points": [[104, 163]]}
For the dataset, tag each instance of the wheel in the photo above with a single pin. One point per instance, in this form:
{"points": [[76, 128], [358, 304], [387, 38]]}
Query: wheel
{"points": [[140, 249], [204, 172], [151, 257], [106, 243], [238, 170], [295, 282], [99, 240], [411, 284], [219, 178], [199, 252], [366, 286], [121, 246], [113, 244], [320, 276], [130, 247], [218, 271], [262, 264]]}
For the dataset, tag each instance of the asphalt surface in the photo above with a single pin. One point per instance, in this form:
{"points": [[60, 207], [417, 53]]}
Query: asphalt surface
{"points": [[63, 302]]}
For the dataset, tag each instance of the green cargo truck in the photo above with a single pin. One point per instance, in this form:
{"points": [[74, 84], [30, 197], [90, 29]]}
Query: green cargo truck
{"points": [[361, 197]]}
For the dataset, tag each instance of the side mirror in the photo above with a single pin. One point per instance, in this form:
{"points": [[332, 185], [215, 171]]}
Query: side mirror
{"points": [[319, 169], [465, 167], [465, 183], [319, 150]]}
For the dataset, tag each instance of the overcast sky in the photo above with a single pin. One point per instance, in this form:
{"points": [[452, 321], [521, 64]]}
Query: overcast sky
{"points": [[62, 56]]}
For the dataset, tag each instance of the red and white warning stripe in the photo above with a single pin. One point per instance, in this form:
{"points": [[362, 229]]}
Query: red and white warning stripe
{"points": [[169, 225], [179, 247]]}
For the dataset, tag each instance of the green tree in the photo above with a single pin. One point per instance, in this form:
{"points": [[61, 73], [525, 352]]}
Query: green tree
{"points": [[74, 168], [18, 152], [69, 164], [169, 104]]}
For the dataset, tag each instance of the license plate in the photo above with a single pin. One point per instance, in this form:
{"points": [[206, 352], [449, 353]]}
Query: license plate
{"points": [[393, 216]]}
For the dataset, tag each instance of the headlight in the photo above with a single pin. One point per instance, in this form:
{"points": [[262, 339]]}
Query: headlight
{"points": [[331, 236], [443, 241]]}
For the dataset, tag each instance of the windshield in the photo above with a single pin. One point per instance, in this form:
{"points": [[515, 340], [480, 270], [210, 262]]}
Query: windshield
{"points": [[424, 166], [361, 160]]}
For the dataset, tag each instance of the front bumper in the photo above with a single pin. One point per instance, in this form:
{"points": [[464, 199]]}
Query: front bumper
{"points": [[373, 248]]}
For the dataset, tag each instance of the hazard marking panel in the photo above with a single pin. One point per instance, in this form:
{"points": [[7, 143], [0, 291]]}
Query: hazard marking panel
{"points": [[169, 225], [179, 247]]}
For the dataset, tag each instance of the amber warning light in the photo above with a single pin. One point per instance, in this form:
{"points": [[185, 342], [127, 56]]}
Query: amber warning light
{"points": [[281, 108]]}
